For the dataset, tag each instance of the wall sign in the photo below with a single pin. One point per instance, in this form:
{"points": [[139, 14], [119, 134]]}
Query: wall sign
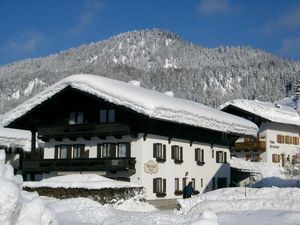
{"points": [[151, 167]]}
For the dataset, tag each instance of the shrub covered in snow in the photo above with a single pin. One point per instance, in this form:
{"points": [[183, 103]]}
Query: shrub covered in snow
{"points": [[18, 207]]}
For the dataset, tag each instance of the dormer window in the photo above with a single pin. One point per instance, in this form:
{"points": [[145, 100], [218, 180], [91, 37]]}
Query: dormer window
{"points": [[76, 118]]}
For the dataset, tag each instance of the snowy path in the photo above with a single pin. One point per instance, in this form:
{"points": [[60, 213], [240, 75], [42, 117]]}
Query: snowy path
{"points": [[82, 211]]}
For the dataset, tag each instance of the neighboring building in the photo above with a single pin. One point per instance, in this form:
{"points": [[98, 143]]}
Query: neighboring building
{"points": [[122, 131], [15, 143], [279, 128]]}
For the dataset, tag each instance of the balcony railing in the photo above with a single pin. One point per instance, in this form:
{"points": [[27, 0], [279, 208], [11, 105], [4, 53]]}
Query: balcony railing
{"points": [[250, 146], [83, 130], [79, 164]]}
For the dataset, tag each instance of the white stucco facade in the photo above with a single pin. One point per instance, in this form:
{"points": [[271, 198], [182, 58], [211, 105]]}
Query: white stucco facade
{"points": [[148, 168]]}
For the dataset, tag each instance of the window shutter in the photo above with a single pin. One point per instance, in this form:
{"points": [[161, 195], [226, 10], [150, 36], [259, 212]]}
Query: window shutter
{"points": [[154, 150], [172, 152], [217, 157], [164, 151], [69, 151], [81, 150], [56, 152], [128, 150], [154, 185], [181, 153], [86, 154], [164, 185], [274, 158]]}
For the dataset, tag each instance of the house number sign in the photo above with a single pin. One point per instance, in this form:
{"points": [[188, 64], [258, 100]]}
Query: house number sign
{"points": [[151, 167]]}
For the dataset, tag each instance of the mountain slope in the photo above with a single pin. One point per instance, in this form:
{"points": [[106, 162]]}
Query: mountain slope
{"points": [[160, 60]]}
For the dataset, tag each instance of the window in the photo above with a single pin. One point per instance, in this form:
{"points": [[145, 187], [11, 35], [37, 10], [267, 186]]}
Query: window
{"points": [[111, 115], [288, 139], [103, 117], [63, 151], [253, 157], [221, 157], [159, 152], [178, 191], [199, 156], [194, 183], [275, 158], [177, 154], [123, 150], [280, 138], [78, 151], [113, 150], [107, 116], [213, 153], [76, 118], [201, 182], [295, 140], [159, 187], [106, 150]]}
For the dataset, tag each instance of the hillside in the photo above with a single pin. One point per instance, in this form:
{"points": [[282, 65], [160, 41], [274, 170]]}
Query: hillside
{"points": [[160, 60]]}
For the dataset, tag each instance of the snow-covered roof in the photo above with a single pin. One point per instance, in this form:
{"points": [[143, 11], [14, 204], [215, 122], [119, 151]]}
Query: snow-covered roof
{"points": [[88, 181], [148, 102], [15, 138], [274, 112]]}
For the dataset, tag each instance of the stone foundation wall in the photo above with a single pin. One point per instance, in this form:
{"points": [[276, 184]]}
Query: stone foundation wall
{"points": [[103, 196]]}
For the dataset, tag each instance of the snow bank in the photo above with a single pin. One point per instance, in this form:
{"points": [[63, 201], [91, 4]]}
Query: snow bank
{"points": [[265, 169], [271, 111], [241, 199], [19, 207], [13, 138], [148, 102], [207, 218], [87, 181]]}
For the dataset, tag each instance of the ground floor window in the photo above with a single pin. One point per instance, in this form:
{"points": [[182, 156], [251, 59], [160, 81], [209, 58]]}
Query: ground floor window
{"points": [[159, 187], [253, 157], [276, 158]]}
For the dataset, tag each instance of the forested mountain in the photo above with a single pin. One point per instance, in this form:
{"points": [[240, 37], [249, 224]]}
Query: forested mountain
{"points": [[160, 60]]}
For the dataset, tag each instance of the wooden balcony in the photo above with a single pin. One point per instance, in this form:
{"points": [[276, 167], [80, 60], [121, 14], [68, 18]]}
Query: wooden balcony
{"points": [[83, 130], [250, 146], [79, 164]]}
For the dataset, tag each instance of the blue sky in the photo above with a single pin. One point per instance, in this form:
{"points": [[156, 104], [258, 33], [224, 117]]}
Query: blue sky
{"points": [[35, 28]]}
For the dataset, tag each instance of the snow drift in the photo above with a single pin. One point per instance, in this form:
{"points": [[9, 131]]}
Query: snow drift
{"points": [[18, 207]]}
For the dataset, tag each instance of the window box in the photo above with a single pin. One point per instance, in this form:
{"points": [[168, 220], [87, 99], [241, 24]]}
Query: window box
{"points": [[161, 194], [200, 163], [160, 160], [196, 192], [178, 161], [178, 192]]}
